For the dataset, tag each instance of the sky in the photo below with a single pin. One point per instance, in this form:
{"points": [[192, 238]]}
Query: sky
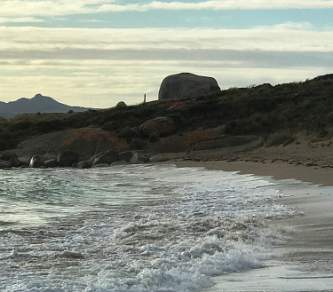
{"points": [[98, 52]]}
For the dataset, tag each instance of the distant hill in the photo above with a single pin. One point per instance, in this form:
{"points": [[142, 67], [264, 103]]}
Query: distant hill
{"points": [[39, 103]]}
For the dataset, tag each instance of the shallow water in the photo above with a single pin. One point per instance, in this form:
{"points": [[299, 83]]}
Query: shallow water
{"points": [[133, 228]]}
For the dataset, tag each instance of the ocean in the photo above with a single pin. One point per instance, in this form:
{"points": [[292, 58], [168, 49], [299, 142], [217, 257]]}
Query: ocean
{"points": [[136, 228]]}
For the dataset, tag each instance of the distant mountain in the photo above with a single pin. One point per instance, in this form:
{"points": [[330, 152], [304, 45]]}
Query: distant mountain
{"points": [[39, 103]]}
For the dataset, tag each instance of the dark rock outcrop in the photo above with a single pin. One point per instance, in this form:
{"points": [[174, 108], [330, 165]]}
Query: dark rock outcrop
{"points": [[138, 144], [84, 141], [50, 163], [129, 133], [107, 157], [84, 164], [5, 164], [126, 156], [101, 165], [67, 158], [129, 156], [160, 126], [142, 158], [11, 158], [134, 157], [24, 161], [187, 85], [36, 161]]}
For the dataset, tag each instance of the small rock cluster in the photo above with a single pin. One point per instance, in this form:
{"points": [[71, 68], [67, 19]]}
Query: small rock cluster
{"points": [[8, 160], [149, 131], [72, 159], [81, 155]]}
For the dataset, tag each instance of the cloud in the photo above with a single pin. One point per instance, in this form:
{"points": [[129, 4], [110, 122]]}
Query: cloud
{"points": [[101, 42], [98, 67], [9, 8], [35, 8], [220, 5], [103, 84], [7, 20]]}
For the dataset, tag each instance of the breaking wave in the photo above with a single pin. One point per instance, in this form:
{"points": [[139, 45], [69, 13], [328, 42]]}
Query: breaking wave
{"points": [[133, 228]]}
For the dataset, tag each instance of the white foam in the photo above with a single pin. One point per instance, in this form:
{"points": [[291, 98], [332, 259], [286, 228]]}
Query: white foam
{"points": [[155, 228]]}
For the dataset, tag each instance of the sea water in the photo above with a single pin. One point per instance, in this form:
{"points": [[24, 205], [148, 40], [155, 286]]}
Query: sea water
{"points": [[137, 228]]}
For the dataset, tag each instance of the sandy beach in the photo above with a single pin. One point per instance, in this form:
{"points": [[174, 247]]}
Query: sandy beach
{"points": [[276, 170], [305, 261]]}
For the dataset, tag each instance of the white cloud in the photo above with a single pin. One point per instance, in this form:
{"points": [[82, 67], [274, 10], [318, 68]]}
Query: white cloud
{"points": [[27, 8], [104, 84], [275, 38], [7, 20], [44, 8], [221, 5], [97, 67]]}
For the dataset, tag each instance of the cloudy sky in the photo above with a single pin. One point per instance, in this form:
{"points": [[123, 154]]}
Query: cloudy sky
{"points": [[98, 52]]}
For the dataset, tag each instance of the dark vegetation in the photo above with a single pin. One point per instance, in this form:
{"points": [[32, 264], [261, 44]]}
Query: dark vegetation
{"points": [[262, 110]]}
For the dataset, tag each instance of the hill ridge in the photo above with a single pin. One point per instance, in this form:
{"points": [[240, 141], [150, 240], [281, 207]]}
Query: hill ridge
{"points": [[38, 103]]}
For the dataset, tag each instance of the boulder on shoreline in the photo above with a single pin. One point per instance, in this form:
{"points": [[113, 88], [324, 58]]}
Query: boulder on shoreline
{"points": [[84, 164], [71, 159], [107, 157], [67, 158], [187, 85], [5, 164], [101, 165], [134, 157], [36, 162], [50, 163], [10, 158], [83, 141]]}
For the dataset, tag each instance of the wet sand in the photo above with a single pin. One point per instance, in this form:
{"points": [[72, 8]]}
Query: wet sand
{"points": [[277, 170], [305, 258]]}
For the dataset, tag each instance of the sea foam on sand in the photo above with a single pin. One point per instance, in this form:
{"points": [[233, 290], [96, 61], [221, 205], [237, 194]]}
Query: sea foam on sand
{"points": [[143, 228]]}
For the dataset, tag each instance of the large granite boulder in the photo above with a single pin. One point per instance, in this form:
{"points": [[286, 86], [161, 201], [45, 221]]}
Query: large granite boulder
{"points": [[187, 85]]}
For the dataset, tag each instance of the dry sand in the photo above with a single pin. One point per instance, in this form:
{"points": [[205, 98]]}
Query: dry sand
{"points": [[306, 262]]}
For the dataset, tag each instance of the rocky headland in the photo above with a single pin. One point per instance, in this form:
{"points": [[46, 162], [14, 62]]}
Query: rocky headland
{"points": [[192, 120]]}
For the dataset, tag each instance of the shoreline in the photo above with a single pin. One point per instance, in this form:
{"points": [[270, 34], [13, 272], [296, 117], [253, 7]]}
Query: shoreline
{"points": [[305, 261], [276, 170]]}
